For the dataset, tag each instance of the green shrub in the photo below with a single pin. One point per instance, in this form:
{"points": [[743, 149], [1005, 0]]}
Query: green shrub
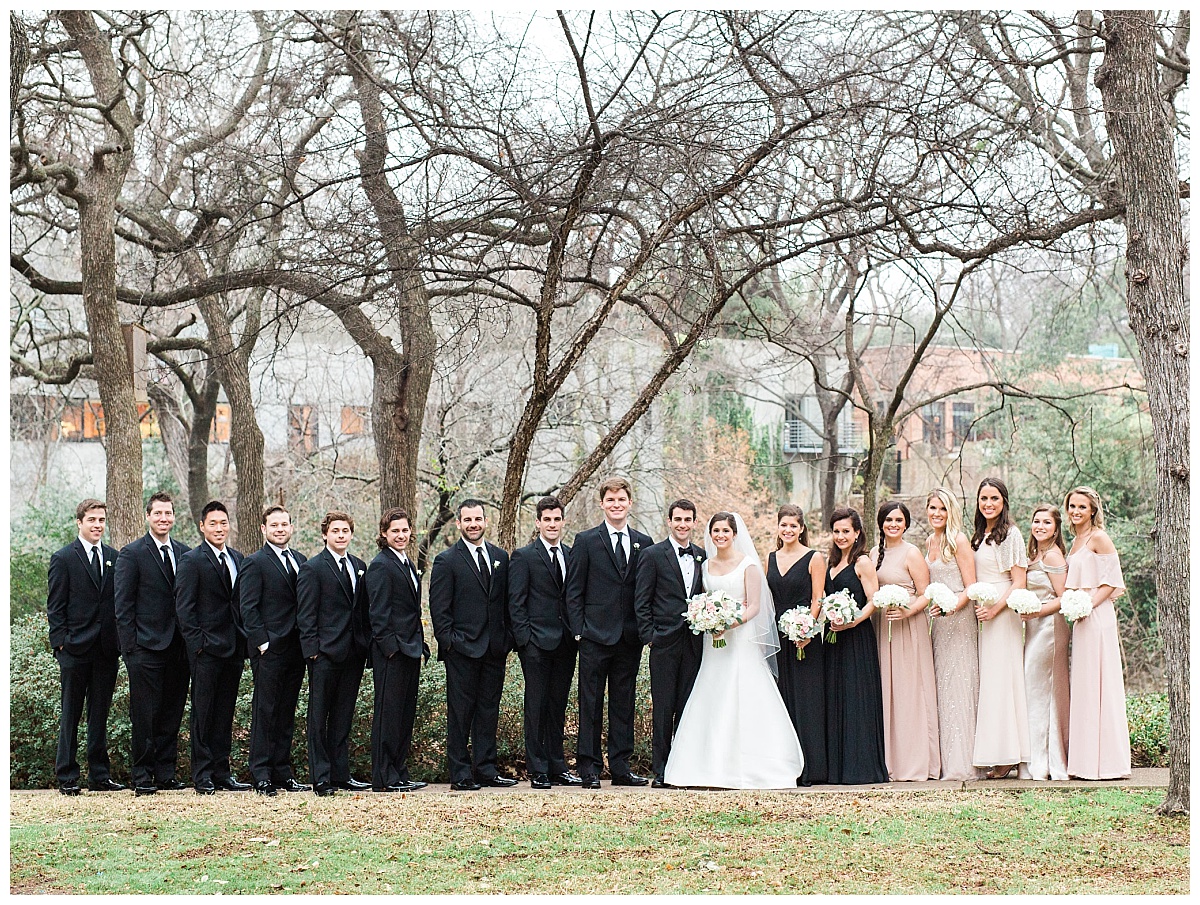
{"points": [[34, 710], [1149, 729]]}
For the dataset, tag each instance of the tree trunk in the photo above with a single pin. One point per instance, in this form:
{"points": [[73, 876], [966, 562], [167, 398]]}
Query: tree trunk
{"points": [[1144, 151], [204, 410], [18, 60], [97, 199]]}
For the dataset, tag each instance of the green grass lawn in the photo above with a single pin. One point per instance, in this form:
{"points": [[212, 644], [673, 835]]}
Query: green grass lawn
{"points": [[1044, 841]]}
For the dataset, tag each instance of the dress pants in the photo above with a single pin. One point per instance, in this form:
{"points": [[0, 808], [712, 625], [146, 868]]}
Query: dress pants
{"points": [[92, 676], [473, 689], [674, 663], [332, 694], [614, 665], [397, 679], [278, 675], [215, 683], [548, 677], [158, 688]]}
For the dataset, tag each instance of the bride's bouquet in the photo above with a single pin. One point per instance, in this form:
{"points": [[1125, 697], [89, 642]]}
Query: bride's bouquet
{"points": [[713, 612], [798, 624], [1023, 602], [839, 608], [891, 597], [941, 597], [1076, 605]]}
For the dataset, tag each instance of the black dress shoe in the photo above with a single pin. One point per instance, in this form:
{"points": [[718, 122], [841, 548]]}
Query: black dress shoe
{"points": [[497, 782], [630, 779], [265, 787], [323, 789], [105, 785], [539, 781], [659, 784], [565, 779], [291, 785], [171, 785], [467, 785], [206, 787], [69, 789], [411, 785], [145, 790], [590, 782], [352, 785], [229, 784]]}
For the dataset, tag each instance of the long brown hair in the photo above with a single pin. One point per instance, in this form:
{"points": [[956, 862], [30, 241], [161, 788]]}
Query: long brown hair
{"points": [[792, 511], [860, 543], [884, 511], [1004, 522], [1031, 548]]}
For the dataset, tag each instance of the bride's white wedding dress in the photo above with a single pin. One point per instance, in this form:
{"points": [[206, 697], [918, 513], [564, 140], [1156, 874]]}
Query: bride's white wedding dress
{"points": [[735, 732]]}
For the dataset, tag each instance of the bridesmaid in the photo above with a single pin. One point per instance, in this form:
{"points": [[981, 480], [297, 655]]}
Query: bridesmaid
{"points": [[955, 635], [796, 577], [1099, 732], [1047, 690], [1002, 721], [853, 700], [910, 717]]}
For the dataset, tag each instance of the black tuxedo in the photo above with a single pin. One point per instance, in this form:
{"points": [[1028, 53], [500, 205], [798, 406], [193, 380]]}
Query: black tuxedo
{"points": [[469, 615], [397, 644], [268, 605], [155, 657], [209, 618], [660, 599], [334, 636], [599, 603], [537, 612], [83, 635]]}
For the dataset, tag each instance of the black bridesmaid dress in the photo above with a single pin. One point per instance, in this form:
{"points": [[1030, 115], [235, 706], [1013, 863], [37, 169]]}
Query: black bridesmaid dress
{"points": [[801, 682], [853, 696]]}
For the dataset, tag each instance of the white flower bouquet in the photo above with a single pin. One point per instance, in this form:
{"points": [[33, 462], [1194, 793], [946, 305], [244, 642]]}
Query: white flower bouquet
{"points": [[1076, 605], [839, 608], [798, 624], [1023, 602], [713, 612], [941, 597], [891, 597], [983, 593]]}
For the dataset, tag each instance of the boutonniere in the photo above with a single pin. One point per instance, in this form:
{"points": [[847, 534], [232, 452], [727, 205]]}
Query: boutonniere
{"points": [[495, 564], [360, 572], [108, 562], [419, 573], [699, 557], [636, 545]]}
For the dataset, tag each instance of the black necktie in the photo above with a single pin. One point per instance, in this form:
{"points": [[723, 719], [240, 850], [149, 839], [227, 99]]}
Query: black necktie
{"points": [[345, 576], [96, 565], [167, 567], [483, 569], [619, 550], [225, 572], [557, 566], [289, 569], [411, 570]]}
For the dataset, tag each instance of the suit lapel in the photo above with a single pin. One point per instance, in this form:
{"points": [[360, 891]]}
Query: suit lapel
{"points": [[156, 552], [466, 554], [698, 572], [607, 541], [87, 563], [544, 555], [337, 575]]}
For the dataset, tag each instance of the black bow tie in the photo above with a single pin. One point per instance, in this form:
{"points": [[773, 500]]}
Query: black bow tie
{"points": [[684, 551]]}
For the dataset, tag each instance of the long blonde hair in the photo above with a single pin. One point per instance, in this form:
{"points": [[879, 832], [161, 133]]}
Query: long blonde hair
{"points": [[954, 522], [1093, 498]]}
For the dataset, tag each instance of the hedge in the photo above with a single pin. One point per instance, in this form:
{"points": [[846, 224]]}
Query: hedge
{"points": [[34, 697]]}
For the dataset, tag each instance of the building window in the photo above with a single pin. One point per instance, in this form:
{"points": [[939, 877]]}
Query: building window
{"points": [[933, 430], [303, 429], [356, 420], [963, 414], [222, 418]]}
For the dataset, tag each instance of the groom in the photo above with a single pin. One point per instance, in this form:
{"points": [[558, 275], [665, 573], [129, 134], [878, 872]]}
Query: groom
{"points": [[670, 573], [599, 602]]}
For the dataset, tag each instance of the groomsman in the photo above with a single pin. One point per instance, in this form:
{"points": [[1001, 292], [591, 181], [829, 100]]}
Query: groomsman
{"points": [[468, 591], [268, 603], [669, 574], [599, 600], [397, 645], [536, 609], [206, 608], [335, 632], [83, 636], [155, 656]]}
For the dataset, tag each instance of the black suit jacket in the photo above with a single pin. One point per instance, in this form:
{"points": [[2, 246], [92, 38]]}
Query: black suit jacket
{"points": [[467, 618], [599, 598], [205, 608], [267, 597], [395, 606], [332, 623], [78, 608], [536, 597], [143, 596], [659, 597]]}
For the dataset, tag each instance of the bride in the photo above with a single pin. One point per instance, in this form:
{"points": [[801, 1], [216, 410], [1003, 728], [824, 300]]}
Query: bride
{"points": [[735, 732]]}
